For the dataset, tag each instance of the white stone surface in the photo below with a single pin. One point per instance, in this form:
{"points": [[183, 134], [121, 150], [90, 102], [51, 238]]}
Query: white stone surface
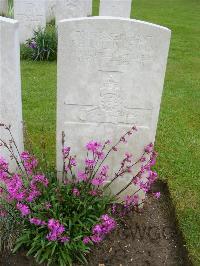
{"points": [[50, 9], [110, 77], [115, 8], [73, 9], [3, 6], [10, 83], [31, 14]]}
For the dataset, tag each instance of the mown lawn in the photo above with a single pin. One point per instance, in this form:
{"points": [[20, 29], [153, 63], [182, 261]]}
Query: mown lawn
{"points": [[178, 137]]}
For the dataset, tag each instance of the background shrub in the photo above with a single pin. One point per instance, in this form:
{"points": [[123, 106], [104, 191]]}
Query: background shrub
{"points": [[43, 45]]}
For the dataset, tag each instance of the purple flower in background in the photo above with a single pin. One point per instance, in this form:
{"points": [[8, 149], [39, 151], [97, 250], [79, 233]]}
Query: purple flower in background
{"points": [[33, 45]]}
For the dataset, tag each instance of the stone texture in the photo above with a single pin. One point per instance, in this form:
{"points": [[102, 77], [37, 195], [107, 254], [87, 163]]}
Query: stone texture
{"points": [[73, 9], [3, 6], [50, 10], [110, 77], [10, 83], [115, 8], [31, 14]]}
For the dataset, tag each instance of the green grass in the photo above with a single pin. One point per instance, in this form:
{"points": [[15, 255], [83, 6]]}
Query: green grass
{"points": [[178, 136]]}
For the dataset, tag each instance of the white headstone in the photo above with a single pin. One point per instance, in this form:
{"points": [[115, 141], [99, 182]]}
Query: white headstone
{"points": [[3, 6], [115, 8], [31, 15], [10, 83], [73, 9], [110, 77], [50, 9]]}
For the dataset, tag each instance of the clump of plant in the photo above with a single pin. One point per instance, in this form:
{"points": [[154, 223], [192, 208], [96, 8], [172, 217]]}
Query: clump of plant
{"points": [[42, 46], [10, 10], [63, 218]]}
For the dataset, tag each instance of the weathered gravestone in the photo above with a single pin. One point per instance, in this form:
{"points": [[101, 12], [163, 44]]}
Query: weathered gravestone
{"points": [[31, 15], [110, 77], [73, 9], [50, 10], [3, 6], [115, 8], [10, 84]]}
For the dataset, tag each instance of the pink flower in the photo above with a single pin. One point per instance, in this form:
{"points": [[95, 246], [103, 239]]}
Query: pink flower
{"points": [[131, 200], [89, 163], [33, 194], [36, 221], [56, 230], [97, 181], [47, 205], [76, 192], [149, 148], [66, 151], [157, 195], [97, 229], [3, 213], [96, 239], [23, 208], [82, 176], [93, 146], [41, 179], [29, 161], [73, 162], [86, 240], [64, 239], [3, 164], [93, 192]]}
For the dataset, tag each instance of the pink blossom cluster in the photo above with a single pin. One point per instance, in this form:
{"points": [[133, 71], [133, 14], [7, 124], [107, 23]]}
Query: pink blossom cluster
{"points": [[56, 230], [37, 221], [131, 200], [23, 208], [100, 177], [82, 176], [99, 231], [29, 162], [3, 169], [17, 191], [95, 148]]}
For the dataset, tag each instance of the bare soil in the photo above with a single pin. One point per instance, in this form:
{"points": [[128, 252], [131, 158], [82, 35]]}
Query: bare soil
{"points": [[148, 238]]}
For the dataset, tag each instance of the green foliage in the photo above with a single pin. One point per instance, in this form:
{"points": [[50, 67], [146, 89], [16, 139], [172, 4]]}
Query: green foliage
{"points": [[43, 45], [10, 227], [10, 12], [77, 214], [178, 129]]}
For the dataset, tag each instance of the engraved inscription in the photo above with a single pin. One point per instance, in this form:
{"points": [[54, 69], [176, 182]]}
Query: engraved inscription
{"points": [[111, 109], [115, 49]]}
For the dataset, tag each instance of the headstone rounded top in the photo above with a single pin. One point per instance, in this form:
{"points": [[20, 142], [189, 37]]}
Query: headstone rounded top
{"points": [[107, 18]]}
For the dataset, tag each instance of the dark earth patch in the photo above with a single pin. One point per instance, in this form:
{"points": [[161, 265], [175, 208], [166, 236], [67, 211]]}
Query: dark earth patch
{"points": [[148, 238]]}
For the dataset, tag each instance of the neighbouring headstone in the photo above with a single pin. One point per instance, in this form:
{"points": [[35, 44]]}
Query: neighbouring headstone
{"points": [[115, 8], [73, 9], [3, 7], [10, 84], [50, 10], [110, 77], [31, 15]]}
